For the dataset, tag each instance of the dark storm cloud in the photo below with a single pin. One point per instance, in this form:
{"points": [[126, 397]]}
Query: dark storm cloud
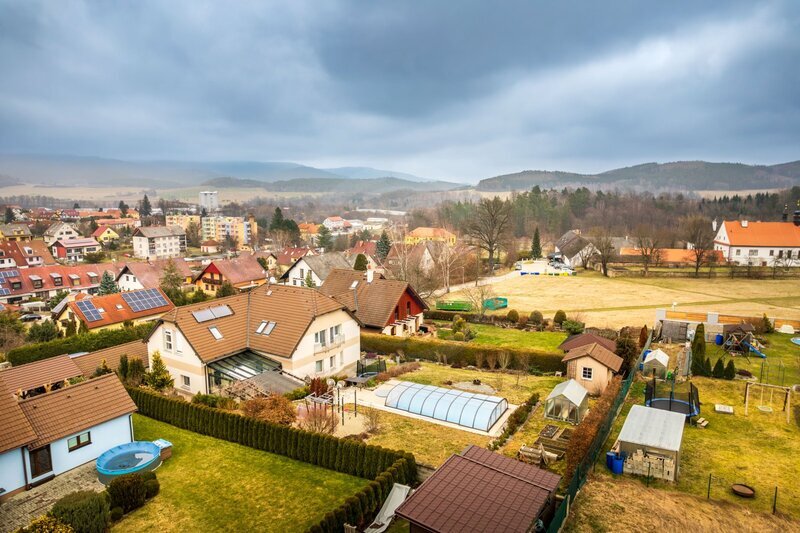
{"points": [[446, 89]]}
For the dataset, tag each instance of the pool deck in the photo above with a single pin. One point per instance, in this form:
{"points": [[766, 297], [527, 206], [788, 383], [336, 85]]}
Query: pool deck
{"points": [[21, 508], [368, 398]]}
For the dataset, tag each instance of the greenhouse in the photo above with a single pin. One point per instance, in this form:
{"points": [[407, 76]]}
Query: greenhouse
{"points": [[569, 402], [468, 409]]}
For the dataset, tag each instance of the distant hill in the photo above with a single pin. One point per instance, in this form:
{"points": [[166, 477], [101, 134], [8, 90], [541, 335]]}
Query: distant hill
{"points": [[677, 176], [337, 185], [161, 174]]}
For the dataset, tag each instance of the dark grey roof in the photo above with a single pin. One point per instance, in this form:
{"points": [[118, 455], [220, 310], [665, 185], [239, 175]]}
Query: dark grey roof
{"points": [[571, 243], [323, 264], [160, 231]]}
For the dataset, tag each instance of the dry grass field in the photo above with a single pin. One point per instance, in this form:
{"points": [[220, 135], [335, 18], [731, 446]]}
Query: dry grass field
{"points": [[616, 302]]}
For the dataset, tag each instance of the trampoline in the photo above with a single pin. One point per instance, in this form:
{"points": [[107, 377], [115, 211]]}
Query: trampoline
{"points": [[668, 395]]}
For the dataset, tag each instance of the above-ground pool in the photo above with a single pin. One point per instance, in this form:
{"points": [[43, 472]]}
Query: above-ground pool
{"points": [[796, 340], [139, 456]]}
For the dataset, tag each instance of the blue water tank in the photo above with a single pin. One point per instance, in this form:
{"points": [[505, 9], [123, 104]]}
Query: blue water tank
{"points": [[719, 339], [617, 464], [609, 459]]}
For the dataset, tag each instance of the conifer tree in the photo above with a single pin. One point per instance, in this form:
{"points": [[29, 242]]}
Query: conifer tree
{"points": [[324, 238], [536, 245], [383, 246], [107, 284], [361, 263], [158, 377]]}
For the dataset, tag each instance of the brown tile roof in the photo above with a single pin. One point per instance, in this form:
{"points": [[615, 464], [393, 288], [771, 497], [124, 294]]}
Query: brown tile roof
{"points": [[596, 352], [117, 310], [288, 256], [430, 233], [368, 248], [582, 339], [479, 490], [293, 309], [159, 231], [149, 274], [16, 430], [39, 373], [784, 234], [376, 300], [243, 269], [75, 408], [89, 362]]}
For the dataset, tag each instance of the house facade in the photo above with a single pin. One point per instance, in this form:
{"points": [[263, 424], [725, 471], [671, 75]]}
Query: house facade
{"points": [[24, 254], [159, 242], [575, 251], [316, 266], [60, 231], [274, 332], [243, 229], [46, 281], [243, 272], [105, 235], [760, 243], [423, 234], [593, 366], [147, 275], [74, 250], [15, 232]]}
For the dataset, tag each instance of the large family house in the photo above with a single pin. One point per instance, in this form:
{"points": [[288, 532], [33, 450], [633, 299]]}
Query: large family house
{"points": [[760, 243], [112, 311]]}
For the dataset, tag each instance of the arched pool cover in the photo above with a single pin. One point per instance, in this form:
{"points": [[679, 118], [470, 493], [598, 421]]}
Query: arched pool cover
{"points": [[477, 411]]}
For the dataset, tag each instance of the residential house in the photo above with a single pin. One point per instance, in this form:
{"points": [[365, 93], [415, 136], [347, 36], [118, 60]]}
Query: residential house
{"points": [[15, 232], [288, 256], [316, 266], [61, 428], [367, 248], [421, 257], [271, 337], [60, 231], [24, 254], [111, 311], [244, 230], [479, 490], [270, 259], [210, 246], [147, 275], [74, 250], [209, 200], [423, 234], [243, 272], [159, 242], [336, 225], [573, 249], [308, 232], [46, 281], [118, 224], [105, 235], [592, 366], [760, 243], [70, 215], [391, 307]]}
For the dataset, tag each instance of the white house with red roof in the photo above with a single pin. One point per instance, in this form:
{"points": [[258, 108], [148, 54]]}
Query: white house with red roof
{"points": [[760, 243]]}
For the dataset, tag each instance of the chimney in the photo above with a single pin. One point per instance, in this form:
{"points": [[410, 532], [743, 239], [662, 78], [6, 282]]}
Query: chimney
{"points": [[744, 223], [355, 299], [714, 225], [785, 216], [370, 275], [796, 218]]}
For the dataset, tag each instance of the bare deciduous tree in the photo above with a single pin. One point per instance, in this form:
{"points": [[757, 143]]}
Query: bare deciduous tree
{"points": [[601, 238], [504, 359], [648, 243], [697, 231], [477, 295], [490, 223]]}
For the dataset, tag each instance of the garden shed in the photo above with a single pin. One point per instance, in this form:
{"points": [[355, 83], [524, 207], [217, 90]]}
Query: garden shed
{"points": [[656, 363], [568, 401], [650, 441]]}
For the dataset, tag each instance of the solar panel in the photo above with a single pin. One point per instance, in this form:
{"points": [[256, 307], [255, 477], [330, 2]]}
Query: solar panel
{"points": [[203, 316], [144, 300], [9, 273], [4, 292], [221, 311], [89, 311]]}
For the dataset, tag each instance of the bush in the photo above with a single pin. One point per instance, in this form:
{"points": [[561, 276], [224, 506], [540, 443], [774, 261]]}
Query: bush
{"points": [[397, 370], [85, 342], [515, 420], [151, 488], [559, 317], [627, 349], [522, 321], [298, 394], [213, 400], [512, 315], [127, 491], [84, 511], [458, 336], [46, 524], [719, 369], [116, 514], [537, 318], [274, 408], [730, 370], [426, 348], [699, 351], [766, 325], [573, 327]]}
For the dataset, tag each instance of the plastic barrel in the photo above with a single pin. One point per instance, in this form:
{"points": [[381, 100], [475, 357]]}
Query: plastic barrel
{"points": [[617, 465], [719, 339], [609, 459]]}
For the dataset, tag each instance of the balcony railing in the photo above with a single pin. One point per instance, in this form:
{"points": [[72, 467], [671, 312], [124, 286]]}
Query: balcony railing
{"points": [[338, 340]]}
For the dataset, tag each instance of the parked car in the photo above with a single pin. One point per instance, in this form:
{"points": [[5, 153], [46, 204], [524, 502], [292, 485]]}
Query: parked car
{"points": [[30, 317]]}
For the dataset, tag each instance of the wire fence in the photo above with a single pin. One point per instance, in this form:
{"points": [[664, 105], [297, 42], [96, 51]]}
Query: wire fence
{"points": [[582, 471]]}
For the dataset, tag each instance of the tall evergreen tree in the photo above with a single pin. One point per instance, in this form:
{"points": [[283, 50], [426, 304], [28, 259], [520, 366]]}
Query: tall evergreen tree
{"points": [[383, 246], [158, 377], [10, 216], [107, 284], [699, 351], [324, 238], [123, 208], [277, 222], [361, 263], [145, 209], [536, 245], [309, 281]]}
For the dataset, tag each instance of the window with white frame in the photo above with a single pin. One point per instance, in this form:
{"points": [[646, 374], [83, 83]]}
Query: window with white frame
{"points": [[318, 366], [186, 382], [738, 252], [167, 340], [753, 252], [320, 338], [333, 361], [586, 373], [215, 332]]}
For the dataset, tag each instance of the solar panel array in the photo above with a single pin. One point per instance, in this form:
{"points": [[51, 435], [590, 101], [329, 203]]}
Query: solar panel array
{"points": [[205, 315], [89, 310], [4, 292], [144, 300], [8, 274]]}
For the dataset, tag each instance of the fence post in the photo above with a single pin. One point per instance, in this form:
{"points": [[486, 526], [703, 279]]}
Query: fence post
{"points": [[775, 501], [708, 494]]}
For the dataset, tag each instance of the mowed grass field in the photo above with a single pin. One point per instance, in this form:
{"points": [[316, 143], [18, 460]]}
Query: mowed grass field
{"points": [[616, 302], [546, 341], [215, 485]]}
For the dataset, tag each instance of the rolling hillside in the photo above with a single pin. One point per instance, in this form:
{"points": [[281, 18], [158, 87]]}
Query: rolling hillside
{"points": [[337, 185]]}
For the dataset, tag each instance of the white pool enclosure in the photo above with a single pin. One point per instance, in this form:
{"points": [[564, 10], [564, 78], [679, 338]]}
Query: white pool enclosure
{"points": [[468, 409]]}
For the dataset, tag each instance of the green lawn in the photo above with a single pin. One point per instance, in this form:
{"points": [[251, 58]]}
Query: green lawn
{"points": [[215, 485], [760, 449], [546, 341]]}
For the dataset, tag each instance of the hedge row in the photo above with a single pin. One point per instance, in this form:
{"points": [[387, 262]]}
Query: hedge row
{"points": [[384, 466], [515, 421], [85, 342], [456, 352], [448, 316]]}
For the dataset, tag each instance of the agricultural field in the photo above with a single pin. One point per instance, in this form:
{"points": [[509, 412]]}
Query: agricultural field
{"points": [[215, 485], [616, 302]]}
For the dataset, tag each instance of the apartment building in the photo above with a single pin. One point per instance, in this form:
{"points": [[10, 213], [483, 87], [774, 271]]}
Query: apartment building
{"points": [[218, 228], [159, 242]]}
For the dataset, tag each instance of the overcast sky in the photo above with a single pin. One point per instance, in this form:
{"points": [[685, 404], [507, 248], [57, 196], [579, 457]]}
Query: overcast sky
{"points": [[459, 90]]}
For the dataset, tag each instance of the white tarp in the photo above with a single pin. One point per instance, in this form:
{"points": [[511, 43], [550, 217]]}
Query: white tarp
{"points": [[655, 428], [571, 390], [657, 355]]}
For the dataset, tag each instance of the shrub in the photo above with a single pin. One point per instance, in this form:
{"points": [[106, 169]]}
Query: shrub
{"points": [[458, 336], [512, 315], [537, 318], [46, 524], [522, 320], [730, 370], [719, 369], [317, 418], [127, 491], [274, 408], [515, 420], [766, 325], [397, 370], [626, 348], [151, 488], [84, 511], [213, 400], [117, 514], [559, 317], [158, 377], [298, 393], [573, 327], [372, 420], [643, 336], [744, 373], [707, 366]]}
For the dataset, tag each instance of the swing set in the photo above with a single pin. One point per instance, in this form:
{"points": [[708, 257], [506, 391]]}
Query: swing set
{"points": [[767, 407]]}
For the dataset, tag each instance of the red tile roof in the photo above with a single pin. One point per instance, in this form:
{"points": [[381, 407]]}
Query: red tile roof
{"points": [[480, 491], [99, 231], [784, 234], [48, 275]]}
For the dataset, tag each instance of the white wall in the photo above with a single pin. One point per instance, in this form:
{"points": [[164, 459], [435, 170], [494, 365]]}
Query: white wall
{"points": [[181, 361], [104, 437], [12, 470], [299, 280], [128, 282], [304, 360]]}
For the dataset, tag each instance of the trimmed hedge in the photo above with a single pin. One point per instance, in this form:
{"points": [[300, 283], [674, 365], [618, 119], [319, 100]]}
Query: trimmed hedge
{"points": [[515, 420], [456, 352], [84, 511], [127, 491], [384, 466], [85, 342], [448, 316]]}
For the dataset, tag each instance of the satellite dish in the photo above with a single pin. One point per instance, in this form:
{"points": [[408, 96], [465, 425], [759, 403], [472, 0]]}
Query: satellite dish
{"points": [[272, 279], [330, 383], [339, 384]]}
